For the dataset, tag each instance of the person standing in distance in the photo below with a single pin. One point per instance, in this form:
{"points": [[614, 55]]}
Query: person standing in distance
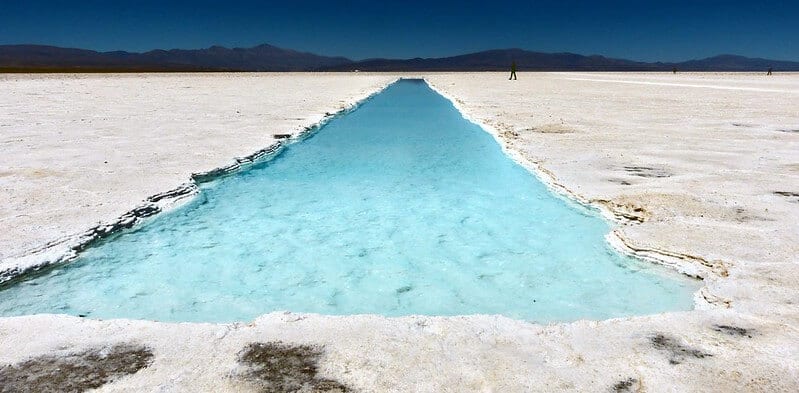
{"points": [[512, 70]]}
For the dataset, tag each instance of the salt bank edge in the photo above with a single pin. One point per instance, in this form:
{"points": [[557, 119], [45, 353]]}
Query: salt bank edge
{"points": [[617, 214], [66, 249]]}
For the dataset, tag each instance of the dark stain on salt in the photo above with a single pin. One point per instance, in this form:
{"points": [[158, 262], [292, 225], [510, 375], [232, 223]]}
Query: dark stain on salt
{"points": [[280, 367], [792, 196], [647, 171], [734, 330], [624, 386], [678, 352], [75, 372], [743, 215], [620, 181]]}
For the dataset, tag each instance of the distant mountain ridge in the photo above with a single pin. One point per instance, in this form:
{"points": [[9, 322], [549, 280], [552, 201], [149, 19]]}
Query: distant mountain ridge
{"points": [[26, 58], [500, 60], [216, 58]]}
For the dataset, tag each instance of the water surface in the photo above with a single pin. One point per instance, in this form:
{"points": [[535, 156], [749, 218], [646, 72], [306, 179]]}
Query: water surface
{"points": [[400, 207]]}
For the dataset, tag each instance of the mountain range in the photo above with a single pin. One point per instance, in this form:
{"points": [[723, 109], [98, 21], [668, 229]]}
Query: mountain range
{"points": [[40, 58]]}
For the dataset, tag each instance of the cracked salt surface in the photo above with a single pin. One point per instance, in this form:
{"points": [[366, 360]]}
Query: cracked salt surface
{"points": [[399, 208]]}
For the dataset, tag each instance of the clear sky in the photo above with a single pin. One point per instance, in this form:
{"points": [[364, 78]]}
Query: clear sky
{"points": [[639, 30]]}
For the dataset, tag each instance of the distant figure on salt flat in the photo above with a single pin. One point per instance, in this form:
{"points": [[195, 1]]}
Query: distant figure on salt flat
{"points": [[674, 70], [769, 71], [512, 70]]}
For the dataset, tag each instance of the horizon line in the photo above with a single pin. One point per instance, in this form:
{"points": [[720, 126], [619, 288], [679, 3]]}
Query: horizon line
{"points": [[396, 58]]}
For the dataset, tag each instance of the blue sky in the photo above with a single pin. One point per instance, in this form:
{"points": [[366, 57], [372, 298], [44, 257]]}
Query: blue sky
{"points": [[639, 30]]}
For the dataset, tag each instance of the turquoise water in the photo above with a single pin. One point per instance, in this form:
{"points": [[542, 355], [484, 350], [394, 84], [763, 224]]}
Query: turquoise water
{"points": [[400, 207]]}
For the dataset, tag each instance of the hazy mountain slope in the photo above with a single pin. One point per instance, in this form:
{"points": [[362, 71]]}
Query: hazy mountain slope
{"points": [[215, 58]]}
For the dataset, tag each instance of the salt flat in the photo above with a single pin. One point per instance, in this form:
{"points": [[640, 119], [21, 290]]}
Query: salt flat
{"points": [[700, 170]]}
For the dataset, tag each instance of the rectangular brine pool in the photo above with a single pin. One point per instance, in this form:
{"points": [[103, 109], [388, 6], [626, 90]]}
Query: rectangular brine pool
{"points": [[400, 207]]}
